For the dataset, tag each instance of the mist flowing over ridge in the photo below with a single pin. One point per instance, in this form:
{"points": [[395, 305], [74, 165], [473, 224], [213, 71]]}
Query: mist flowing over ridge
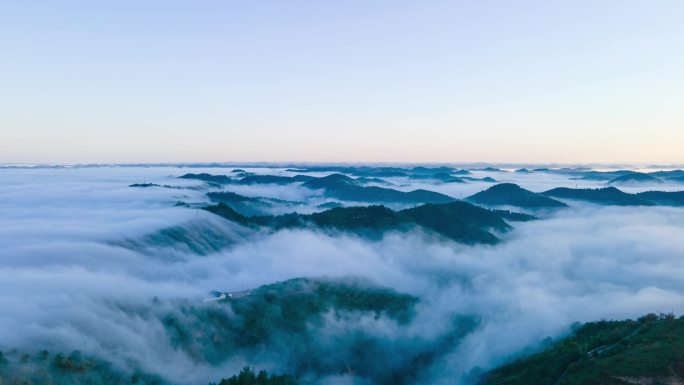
{"points": [[91, 264]]}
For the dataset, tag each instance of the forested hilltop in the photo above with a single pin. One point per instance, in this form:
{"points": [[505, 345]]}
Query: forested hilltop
{"points": [[649, 350]]}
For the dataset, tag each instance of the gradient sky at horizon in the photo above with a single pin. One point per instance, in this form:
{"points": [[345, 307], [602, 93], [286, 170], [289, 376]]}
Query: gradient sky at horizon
{"points": [[428, 81]]}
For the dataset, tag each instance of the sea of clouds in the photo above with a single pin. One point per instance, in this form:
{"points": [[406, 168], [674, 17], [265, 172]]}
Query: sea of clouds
{"points": [[79, 249]]}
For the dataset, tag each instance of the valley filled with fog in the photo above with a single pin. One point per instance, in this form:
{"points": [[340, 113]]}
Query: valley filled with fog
{"points": [[143, 268]]}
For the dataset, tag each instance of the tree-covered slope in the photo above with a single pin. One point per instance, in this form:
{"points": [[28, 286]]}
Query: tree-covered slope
{"points": [[606, 196], [342, 187], [509, 194], [458, 221], [219, 179], [635, 178], [665, 198], [646, 351], [46, 368], [277, 315], [249, 206], [250, 377], [315, 328]]}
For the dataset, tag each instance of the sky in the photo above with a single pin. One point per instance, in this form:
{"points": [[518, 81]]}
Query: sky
{"points": [[347, 81]]}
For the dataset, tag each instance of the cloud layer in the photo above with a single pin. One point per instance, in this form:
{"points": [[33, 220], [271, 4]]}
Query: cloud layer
{"points": [[81, 261]]}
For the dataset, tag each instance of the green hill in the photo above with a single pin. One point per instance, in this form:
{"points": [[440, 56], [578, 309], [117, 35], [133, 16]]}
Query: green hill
{"points": [[441, 177], [600, 175], [664, 198], [273, 179], [219, 179], [606, 196], [277, 313], [249, 206], [649, 350], [248, 178], [342, 187], [298, 321], [45, 368], [459, 221], [249, 377], [635, 178], [509, 194]]}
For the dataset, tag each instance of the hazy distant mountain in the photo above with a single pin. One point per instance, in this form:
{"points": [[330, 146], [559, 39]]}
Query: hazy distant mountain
{"points": [[600, 175], [675, 176], [273, 179], [606, 196], [421, 170], [485, 179], [676, 179], [248, 178], [220, 179], [635, 178], [439, 177], [367, 180], [489, 169], [342, 187], [249, 206], [509, 194]]}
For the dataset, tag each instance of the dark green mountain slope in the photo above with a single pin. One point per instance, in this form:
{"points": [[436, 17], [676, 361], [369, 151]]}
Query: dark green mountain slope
{"points": [[513, 216], [381, 172], [664, 198], [509, 194], [635, 178], [273, 179], [439, 177], [675, 176], [606, 196], [225, 211], [459, 221], [249, 377], [249, 206], [290, 319], [45, 368], [342, 187], [378, 218], [599, 175], [248, 179], [220, 179], [647, 351]]}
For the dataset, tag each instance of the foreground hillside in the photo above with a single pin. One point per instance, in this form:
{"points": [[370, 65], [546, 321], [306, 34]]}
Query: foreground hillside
{"points": [[648, 351], [298, 321], [46, 368]]}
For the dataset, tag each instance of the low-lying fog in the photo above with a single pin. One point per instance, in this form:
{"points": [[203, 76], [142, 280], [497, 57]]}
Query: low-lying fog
{"points": [[73, 241]]}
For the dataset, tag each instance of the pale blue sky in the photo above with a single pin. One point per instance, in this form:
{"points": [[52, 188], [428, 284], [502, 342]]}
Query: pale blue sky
{"points": [[436, 81]]}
